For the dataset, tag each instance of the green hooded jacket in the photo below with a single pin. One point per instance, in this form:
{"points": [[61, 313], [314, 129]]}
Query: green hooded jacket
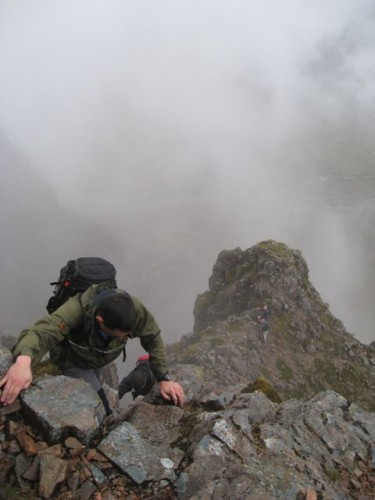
{"points": [[72, 336]]}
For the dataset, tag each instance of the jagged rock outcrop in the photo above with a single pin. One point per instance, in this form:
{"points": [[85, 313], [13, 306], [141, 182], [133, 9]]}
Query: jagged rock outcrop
{"points": [[268, 272], [248, 447], [238, 436], [308, 350]]}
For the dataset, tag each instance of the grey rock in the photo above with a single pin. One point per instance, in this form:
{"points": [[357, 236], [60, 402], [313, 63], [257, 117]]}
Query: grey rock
{"points": [[364, 422], [209, 460], [112, 395], [109, 376], [298, 448], [86, 490], [32, 473], [22, 465], [53, 470], [216, 402], [7, 340], [60, 406], [6, 359], [165, 427], [73, 481], [259, 407], [191, 377], [226, 432], [142, 461], [98, 476], [7, 462]]}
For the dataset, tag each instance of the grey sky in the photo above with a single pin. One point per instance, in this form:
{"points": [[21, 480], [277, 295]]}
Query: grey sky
{"points": [[72, 71]]}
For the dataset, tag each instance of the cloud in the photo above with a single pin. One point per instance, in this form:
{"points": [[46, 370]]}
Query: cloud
{"points": [[204, 122]]}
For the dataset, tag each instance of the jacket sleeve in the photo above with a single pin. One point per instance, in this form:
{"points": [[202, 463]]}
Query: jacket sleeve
{"points": [[37, 340], [148, 331]]}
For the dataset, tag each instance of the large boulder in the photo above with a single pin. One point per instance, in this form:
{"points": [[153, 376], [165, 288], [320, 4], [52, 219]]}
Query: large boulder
{"points": [[61, 406]]}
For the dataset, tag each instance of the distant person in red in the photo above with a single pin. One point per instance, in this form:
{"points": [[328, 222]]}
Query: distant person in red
{"points": [[140, 380]]}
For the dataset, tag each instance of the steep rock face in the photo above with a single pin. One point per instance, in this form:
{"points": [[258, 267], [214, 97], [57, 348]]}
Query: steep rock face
{"points": [[268, 272], [307, 349]]}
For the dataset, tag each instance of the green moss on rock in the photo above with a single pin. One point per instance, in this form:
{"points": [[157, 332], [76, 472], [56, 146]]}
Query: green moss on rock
{"points": [[46, 368], [261, 384], [286, 373]]}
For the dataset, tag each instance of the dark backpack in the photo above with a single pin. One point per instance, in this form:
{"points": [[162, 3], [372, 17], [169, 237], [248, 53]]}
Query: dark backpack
{"points": [[77, 276]]}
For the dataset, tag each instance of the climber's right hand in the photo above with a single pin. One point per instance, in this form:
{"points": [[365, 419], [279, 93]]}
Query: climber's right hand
{"points": [[18, 377]]}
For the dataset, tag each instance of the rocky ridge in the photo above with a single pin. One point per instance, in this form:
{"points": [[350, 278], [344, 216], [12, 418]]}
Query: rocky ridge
{"points": [[232, 446], [238, 436], [308, 350]]}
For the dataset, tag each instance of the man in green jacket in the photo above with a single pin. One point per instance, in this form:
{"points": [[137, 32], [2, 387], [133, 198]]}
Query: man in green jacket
{"points": [[86, 333]]}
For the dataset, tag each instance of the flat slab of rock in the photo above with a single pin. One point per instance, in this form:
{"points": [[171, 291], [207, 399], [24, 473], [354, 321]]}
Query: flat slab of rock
{"points": [[136, 457], [60, 406]]}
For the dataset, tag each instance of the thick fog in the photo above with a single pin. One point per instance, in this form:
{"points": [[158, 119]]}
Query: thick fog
{"points": [[179, 129]]}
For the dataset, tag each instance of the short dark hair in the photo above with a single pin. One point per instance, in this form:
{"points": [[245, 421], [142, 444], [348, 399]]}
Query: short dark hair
{"points": [[117, 311]]}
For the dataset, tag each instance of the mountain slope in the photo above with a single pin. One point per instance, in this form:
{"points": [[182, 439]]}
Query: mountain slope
{"points": [[307, 350]]}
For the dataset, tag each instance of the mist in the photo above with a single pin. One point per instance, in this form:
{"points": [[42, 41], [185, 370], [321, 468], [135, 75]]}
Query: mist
{"points": [[180, 129]]}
